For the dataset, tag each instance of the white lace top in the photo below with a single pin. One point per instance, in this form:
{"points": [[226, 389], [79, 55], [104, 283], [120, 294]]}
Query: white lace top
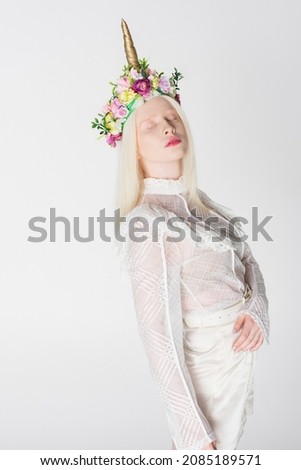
{"points": [[170, 279]]}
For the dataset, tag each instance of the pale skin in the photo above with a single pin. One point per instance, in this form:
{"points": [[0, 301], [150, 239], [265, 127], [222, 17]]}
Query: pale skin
{"points": [[156, 123]]}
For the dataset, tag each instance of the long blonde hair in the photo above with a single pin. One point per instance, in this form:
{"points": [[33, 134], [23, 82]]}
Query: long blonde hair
{"points": [[130, 180]]}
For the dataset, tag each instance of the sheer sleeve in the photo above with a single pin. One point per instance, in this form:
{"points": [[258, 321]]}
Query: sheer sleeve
{"points": [[154, 269], [257, 305]]}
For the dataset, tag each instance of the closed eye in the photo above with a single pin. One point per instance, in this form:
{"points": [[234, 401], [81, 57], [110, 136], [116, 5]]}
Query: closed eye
{"points": [[147, 125]]}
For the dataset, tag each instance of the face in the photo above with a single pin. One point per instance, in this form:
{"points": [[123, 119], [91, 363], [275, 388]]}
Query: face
{"points": [[157, 124]]}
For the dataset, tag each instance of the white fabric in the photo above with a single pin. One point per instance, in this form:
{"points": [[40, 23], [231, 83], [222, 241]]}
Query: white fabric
{"points": [[163, 186], [196, 318], [223, 379], [172, 279]]}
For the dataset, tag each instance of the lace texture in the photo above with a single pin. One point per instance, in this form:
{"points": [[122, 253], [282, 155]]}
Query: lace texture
{"points": [[163, 185], [168, 279]]}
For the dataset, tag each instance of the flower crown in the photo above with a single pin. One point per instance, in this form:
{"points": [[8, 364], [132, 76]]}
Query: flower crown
{"points": [[137, 83]]}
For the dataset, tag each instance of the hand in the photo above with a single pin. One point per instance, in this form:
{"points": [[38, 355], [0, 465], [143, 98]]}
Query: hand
{"points": [[251, 336], [210, 446]]}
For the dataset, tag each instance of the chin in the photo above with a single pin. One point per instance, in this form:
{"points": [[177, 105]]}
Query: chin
{"points": [[177, 154]]}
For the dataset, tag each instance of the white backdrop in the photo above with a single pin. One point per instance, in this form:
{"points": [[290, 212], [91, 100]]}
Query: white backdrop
{"points": [[74, 374]]}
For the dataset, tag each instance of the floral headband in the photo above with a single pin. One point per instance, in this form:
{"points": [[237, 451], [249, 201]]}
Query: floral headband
{"points": [[137, 83]]}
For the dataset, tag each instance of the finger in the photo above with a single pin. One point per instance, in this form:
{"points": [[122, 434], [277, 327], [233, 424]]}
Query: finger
{"points": [[249, 327], [254, 335], [251, 341], [258, 344], [239, 322], [242, 337], [256, 339]]}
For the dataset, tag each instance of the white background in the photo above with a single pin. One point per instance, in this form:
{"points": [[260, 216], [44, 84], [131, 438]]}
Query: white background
{"points": [[74, 374]]}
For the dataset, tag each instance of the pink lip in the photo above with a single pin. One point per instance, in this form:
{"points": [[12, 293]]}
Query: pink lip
{"points": [[173, 142]]}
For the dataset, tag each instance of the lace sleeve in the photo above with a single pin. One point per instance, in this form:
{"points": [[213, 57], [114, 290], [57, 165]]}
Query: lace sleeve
{"points": [[257, 305], [154, 269]]}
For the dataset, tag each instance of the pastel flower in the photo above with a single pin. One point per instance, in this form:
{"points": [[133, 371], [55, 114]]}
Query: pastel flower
{"points": [[151, 72], [106, 108], [111, 124], [111, 140], [142, 86], [108, 121], [135, 74], [126, 96], [164, 84], [122, 84], [132, 87], [118, 109], [155, 82]]}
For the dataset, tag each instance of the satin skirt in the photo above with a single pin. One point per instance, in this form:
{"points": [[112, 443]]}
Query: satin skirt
{"points": [[223, 379]]}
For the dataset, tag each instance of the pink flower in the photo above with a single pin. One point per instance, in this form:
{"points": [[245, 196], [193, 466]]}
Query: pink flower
{"points": [[164, 84], [123, 83], [135, 74], [150, 71], [111, 140], [142, 86], [106, 108], [118, 109]]}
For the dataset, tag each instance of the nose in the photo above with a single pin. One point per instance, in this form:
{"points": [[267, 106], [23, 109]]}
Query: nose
{"points": [[168, 128]]}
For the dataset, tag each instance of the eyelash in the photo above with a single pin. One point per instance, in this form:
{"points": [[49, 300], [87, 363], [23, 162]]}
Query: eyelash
{"points": [[172, 119]]}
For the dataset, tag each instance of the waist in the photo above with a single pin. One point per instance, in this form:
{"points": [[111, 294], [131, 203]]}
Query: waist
{"points": [[220, 317]]}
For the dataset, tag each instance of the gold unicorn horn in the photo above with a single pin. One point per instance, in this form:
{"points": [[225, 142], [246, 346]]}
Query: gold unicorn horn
{"points": [[130, 51]]}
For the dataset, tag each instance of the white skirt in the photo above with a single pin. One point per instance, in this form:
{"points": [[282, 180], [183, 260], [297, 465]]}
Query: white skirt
{"points": [[223, 379]]}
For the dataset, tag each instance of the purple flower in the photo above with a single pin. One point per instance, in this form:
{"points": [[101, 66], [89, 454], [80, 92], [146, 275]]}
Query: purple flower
{"points": [[164, 84], [111, 140], [142, 86], [135, 74], [118, 109]]}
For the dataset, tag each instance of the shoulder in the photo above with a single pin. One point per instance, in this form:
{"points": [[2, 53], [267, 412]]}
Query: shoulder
{"points": [[144, 217], [221, 209], [209, 202]]}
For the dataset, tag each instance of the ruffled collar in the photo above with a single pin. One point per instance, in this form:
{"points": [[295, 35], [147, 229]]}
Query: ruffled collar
{"points": [[163, 185]]}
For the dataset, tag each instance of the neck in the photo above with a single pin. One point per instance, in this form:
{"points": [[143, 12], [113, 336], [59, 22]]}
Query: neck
{"points": [[163, 185], [169, 170]]}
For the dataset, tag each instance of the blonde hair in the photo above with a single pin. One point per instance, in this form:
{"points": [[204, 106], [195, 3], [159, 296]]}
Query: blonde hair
{"points": [[130, 180]]}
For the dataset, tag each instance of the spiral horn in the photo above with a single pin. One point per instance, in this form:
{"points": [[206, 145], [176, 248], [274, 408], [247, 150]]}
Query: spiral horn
{"points": [[130, 51]]}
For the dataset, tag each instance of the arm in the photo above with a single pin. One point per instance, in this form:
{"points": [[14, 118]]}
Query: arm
{"points": [[154, 269], [257, 305]]}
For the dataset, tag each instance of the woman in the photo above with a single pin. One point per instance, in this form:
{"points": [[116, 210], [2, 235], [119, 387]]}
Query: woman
{"points": [[193, 278]]}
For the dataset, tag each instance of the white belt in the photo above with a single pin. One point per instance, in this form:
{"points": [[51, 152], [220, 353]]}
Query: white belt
{"points": [[197, 318]]}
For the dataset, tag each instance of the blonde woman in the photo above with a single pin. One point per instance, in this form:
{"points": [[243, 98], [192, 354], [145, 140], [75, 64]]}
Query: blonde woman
{"points": [[198, 292]]}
